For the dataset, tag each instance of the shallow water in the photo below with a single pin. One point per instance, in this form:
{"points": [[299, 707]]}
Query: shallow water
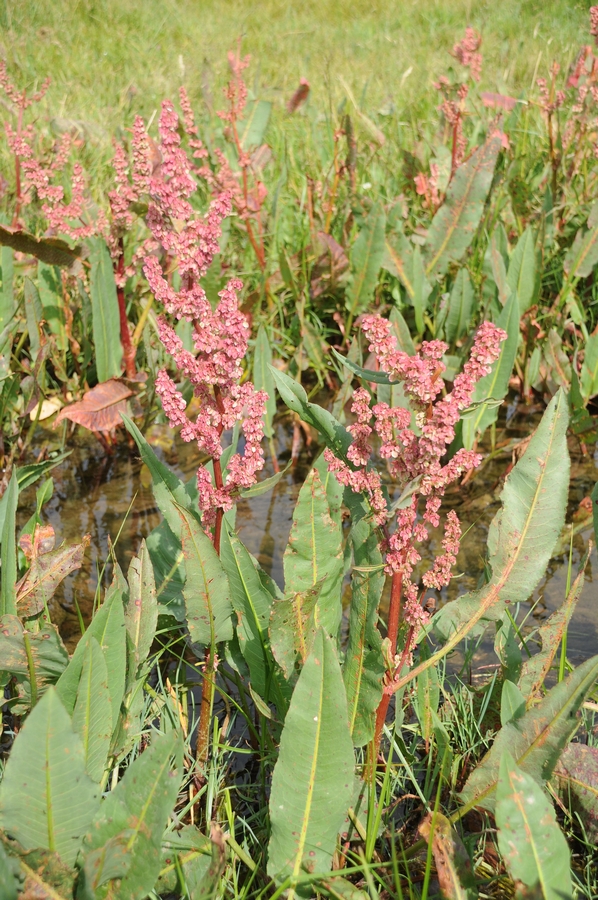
{"points": [[104, 495]]}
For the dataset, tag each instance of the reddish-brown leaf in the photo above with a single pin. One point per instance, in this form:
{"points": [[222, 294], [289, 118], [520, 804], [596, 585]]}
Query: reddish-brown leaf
{"points": [[46, 572], [42, 541], [576, 777], [498, 101], [299, 97], [100, 408]]}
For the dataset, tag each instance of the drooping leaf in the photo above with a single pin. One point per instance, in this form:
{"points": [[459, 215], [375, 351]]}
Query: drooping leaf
{"points": [[293, 629], [141, 609], [530, 841], [576, 779], [8, 572], [312, 783], [45, 573], [370, 375], [536, 739], [335, 436], [262, 487], [365, 258], [92, 715], [521, 276], [535, 669], [40, 654], [455, 223], [109, 630], [523, 533], [100, 409], [135, 814], [252, 603], [207, 592], [363, 666], [262, 377], [47, 799], [453, 865], [495, 384], [314, 553], [458, 320], [51, 251], [49, 283], [104, 311]]}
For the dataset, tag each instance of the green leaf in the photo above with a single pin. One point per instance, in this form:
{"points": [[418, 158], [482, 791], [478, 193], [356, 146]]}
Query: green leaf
{"points": [[523, 534], [589, 369], [24, 654], [92, 715], [47, 799], [104, 311], [34, 315], [49, 282], [536, 739], [252, 128], [365, 258], [207, 592], [252, 604], [7, 296], [262, 377], [531, 843], [53, 251], [9, 875], [512, 703], [314, 552], [109, 630], [262, 487], [293, 629], [497, 261], [521, 276], [8, 572], [136, 813], [398, 260], [454, 225], [495, 384], [335, 436], [535, 669], [45, 573], [370, 375], [312, 783], [458, 321], [582, 256], [364, 667], [141, 610], [576, 780], [28, 475]]}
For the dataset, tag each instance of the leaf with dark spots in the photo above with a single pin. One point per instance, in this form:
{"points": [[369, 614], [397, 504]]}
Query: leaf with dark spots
{"points": [[52, 251], [576, 779], [101, 407], [46, 571]]}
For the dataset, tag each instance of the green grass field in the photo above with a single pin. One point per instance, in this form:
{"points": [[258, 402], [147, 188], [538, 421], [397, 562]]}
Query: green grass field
{"points": [[111, 58]]}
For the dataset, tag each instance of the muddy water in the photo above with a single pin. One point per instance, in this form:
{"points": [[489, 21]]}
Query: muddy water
{"points": [[110, 498]]}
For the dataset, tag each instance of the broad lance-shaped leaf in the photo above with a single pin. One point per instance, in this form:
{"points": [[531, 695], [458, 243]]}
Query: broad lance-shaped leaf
{"points": [[589, 368], [293, 629], [47, 799], [536, 739], [49, 282], [108, 628], [521, 276], [251, 602], [523, 533], [495, 384], [458, 320], [25, 653], [335, 435], [365, 259], [45, 573], [312, 783], [134, 816], [364, 667], [92, 715], [531, 843], [314, 553], [207, 591], [141, 610], [8, 570], [576, 780], [454, 225], [535, 669], [104, 310], [262, 377], [52, 251], [582, 255]]}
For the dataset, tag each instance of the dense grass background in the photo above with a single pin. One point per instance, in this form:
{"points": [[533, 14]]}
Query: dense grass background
{"points": [[111, 58]]}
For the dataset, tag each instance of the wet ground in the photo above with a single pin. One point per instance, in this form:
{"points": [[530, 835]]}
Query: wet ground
{"points": [[111, 498]]}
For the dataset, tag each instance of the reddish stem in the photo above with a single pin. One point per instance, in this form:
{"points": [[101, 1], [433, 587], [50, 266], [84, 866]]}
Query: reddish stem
{"points": [[125, 335], [18, 198], [394, 616]]}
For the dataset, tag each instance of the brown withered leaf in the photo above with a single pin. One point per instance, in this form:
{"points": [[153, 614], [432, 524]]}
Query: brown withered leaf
{"points": [[42, 541], [46, 572], [260, 158], [453, 866], [52, 251], [576, 777], [498, 101], [299, 97], [100, 408]]}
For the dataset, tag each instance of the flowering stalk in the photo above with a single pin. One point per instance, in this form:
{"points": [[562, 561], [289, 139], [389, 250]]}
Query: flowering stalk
{"points": [[414, 454]]}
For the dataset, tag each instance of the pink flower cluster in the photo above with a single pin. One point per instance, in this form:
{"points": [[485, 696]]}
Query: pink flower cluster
{"points": [[414, 450], [466, 52], [190, 240]]}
